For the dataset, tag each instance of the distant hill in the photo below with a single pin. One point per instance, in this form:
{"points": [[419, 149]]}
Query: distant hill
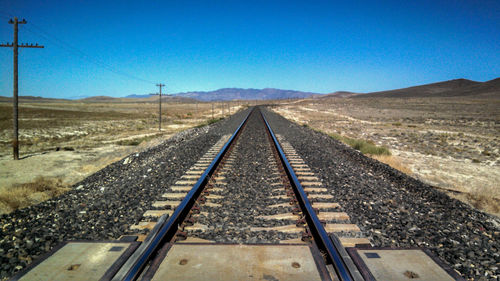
{"points": [[30, 99], [98, 99], [340, 94], [137, 96], [245, 94], [451, 88]]}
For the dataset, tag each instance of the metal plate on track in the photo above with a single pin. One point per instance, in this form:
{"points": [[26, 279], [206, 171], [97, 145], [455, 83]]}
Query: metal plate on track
{"points": [[239, 262], [81, 261], [400, 264]]}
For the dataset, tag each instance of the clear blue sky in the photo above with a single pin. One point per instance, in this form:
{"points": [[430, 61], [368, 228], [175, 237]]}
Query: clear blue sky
{"points": [[318, 46]]}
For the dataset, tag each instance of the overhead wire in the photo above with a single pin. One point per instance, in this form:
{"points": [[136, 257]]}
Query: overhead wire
{"points": [[37, 30], [33, 28]]}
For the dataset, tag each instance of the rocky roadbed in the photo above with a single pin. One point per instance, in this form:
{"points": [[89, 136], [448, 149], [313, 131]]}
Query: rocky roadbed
{"points": [[395, 209], [104, 205]]}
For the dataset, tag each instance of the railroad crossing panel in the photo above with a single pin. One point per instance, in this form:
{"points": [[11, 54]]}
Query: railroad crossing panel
{"points": [[83, 260], [239, 262], [393, 264]]}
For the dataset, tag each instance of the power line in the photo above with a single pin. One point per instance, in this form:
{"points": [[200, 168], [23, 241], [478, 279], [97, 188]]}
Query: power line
{"points": [[37, 30], [61, 43]]}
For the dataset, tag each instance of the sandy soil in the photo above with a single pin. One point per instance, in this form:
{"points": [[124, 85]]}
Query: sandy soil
{"points": [[450, 148], [70, 166]]}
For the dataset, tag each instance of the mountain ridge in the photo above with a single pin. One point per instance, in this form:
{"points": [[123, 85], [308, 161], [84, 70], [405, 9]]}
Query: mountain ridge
{"points": [[450, 88], [245, 94]]}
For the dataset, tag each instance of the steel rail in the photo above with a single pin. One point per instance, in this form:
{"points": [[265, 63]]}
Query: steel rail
{"points": [[168, 230], [313, 222]]}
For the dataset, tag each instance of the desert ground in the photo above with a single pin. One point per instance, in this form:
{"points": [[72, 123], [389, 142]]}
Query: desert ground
{"points": [[62, 142], [452, 144]]}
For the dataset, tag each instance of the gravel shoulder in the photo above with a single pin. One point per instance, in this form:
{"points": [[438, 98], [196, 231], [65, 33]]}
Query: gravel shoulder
{"points": [[105, 204], [397, 210]]}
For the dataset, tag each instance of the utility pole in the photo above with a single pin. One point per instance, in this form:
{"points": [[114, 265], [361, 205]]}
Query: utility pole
{"points": [[15, 45], [160, 85]]}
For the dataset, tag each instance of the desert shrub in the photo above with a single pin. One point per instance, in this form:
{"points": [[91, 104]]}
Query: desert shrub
{"points": [[137, 141], [364, 146], [209, 121], [214, 120], [23, 195], [393, 162], [129, 142]]}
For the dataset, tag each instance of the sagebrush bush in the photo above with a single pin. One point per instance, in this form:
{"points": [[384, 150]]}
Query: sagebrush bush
{"points": [[364, 146]]}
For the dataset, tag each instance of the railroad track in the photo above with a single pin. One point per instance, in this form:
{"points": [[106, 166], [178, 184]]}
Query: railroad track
{"points": [[249, 209], [249, 188]]}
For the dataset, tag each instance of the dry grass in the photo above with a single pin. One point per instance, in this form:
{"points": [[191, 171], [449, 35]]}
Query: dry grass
{"points": [[393, 162], [485, 198], [484, 202], [45, 126], [27, 194]]}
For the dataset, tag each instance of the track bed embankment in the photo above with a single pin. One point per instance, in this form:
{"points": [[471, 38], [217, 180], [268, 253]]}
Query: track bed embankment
{"points": [[395, 209]]}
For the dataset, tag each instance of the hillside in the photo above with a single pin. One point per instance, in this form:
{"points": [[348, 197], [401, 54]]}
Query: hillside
{"points": [[30, 99], [339, 94], [451, 88]]}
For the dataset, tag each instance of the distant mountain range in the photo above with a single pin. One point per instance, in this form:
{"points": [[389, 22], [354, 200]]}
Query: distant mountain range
{"points": [[450, 88], [246, 94], [239, 94]]}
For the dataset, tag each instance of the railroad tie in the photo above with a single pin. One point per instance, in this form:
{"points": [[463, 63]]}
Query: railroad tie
{"points": [[176, 193], [335, 221]]}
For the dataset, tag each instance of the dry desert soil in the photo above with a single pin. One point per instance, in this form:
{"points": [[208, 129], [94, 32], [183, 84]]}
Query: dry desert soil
{"points": [[450, 143], [62, 142]]}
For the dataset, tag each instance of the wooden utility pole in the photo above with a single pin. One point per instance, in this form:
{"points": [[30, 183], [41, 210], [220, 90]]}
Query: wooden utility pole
{"points": [[160, 85], [15, 45]]}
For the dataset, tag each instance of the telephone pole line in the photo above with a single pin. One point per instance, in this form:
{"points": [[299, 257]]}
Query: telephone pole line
{"points": [[15, 45], [160, 85]]}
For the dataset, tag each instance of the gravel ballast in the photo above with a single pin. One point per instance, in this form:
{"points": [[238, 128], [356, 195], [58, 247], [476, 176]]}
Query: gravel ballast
{"points": [[104, 205], [397, 210], [249, 188]]}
